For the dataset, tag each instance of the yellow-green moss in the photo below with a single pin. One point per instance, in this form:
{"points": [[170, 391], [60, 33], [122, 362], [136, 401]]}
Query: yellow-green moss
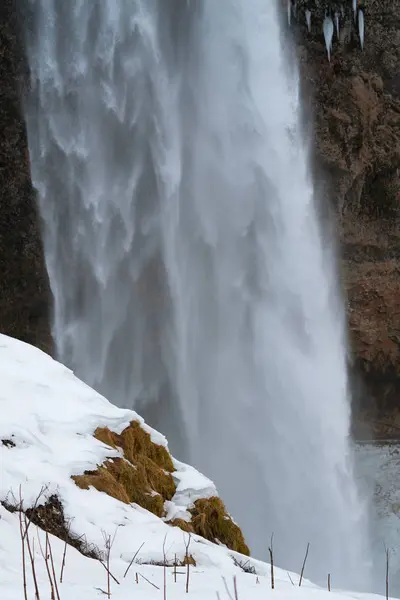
{"points": [[143, 477], [103, 480], [136, 442], [187, 560], [211, 520], [182, 524]]}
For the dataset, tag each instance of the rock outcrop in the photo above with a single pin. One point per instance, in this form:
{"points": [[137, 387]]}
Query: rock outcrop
{"points": [[25, 294], [144, 475], [355, 102]]}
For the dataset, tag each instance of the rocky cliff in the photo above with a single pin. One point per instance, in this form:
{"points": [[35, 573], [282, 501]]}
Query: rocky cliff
{"points": [[25, 295], [355, 103]]}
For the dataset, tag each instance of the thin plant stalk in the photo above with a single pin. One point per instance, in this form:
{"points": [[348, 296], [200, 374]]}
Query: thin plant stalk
{"points": [[304, 564], [271, 557]]}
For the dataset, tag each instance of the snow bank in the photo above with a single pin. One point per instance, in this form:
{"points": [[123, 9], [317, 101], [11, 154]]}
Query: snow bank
{"points": [[47, 420]]}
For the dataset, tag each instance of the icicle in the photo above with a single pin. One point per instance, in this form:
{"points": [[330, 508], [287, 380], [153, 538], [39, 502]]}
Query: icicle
{"points": [[342, 11], [361, 27], [337, 23], [289, 11], [328, 35], [308, 19], [355, 9]]}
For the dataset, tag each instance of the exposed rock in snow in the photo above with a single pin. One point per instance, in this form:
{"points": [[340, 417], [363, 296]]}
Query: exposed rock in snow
{"points": [[47, 420]]}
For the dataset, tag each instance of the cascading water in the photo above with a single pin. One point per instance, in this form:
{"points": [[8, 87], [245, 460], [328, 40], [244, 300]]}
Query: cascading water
{"points": [[189, 273]]}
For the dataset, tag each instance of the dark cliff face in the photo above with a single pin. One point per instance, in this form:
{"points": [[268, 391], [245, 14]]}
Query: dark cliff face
{"points": [[355, 101], [25, 294]]}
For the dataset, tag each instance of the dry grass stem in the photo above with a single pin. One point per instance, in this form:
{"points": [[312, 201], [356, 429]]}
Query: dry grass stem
{"points": [[32, 559], [148, 581], [387, 574], [271, 558], [165, 568], [133, 559], [187, 560], [304, 564], [46, 562]]}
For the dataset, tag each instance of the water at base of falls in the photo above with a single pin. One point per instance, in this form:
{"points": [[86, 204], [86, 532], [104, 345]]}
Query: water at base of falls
{"points": [[189, 273]]}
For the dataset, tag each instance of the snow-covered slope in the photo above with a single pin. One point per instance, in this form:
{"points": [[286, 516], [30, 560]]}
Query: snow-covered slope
{"points": [[47, 420]]}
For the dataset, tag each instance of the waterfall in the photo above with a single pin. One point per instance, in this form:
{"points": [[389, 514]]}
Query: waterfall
{"points": [[190, 276]]}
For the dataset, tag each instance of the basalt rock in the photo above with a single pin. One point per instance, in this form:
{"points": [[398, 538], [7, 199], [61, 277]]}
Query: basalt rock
{"points": [[355, 103], [25, 294]]}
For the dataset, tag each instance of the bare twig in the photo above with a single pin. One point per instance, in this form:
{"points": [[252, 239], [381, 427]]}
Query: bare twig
{"points": [[32, 559], [227, 589], [108, 552], [109, 572], [22, 546], [52, 565], [329, 582], [165, 568], [148, 581], [235, 588], [133, 559], [187, 562], [387, 573], [63, 561], [108, 543], [65, 553], [304, 564], [137, 578], [271, 557], [291, 580], [40, 494], [46, 562], [175, 565]]}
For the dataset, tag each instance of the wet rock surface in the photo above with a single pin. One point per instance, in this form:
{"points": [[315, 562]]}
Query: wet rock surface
{"points": [[25, 294], [355, 103]]}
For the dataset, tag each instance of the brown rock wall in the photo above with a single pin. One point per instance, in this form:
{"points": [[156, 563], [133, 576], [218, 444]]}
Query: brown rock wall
{"points": [[355, 103]]}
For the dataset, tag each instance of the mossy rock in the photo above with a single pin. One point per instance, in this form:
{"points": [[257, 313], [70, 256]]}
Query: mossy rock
{"points": [[135, 441], [186, 526], [211, 521], [143, 476]]}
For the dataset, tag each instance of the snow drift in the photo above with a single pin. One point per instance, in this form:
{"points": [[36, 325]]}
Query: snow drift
{"points": [[47, 420]]}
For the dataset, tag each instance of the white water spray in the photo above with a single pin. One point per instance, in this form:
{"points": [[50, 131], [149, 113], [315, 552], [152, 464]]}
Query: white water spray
{"points": [[189, 273]]}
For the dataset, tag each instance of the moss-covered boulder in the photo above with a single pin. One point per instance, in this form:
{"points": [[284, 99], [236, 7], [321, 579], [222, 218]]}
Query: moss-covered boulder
{"points": [[143, 474]]}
